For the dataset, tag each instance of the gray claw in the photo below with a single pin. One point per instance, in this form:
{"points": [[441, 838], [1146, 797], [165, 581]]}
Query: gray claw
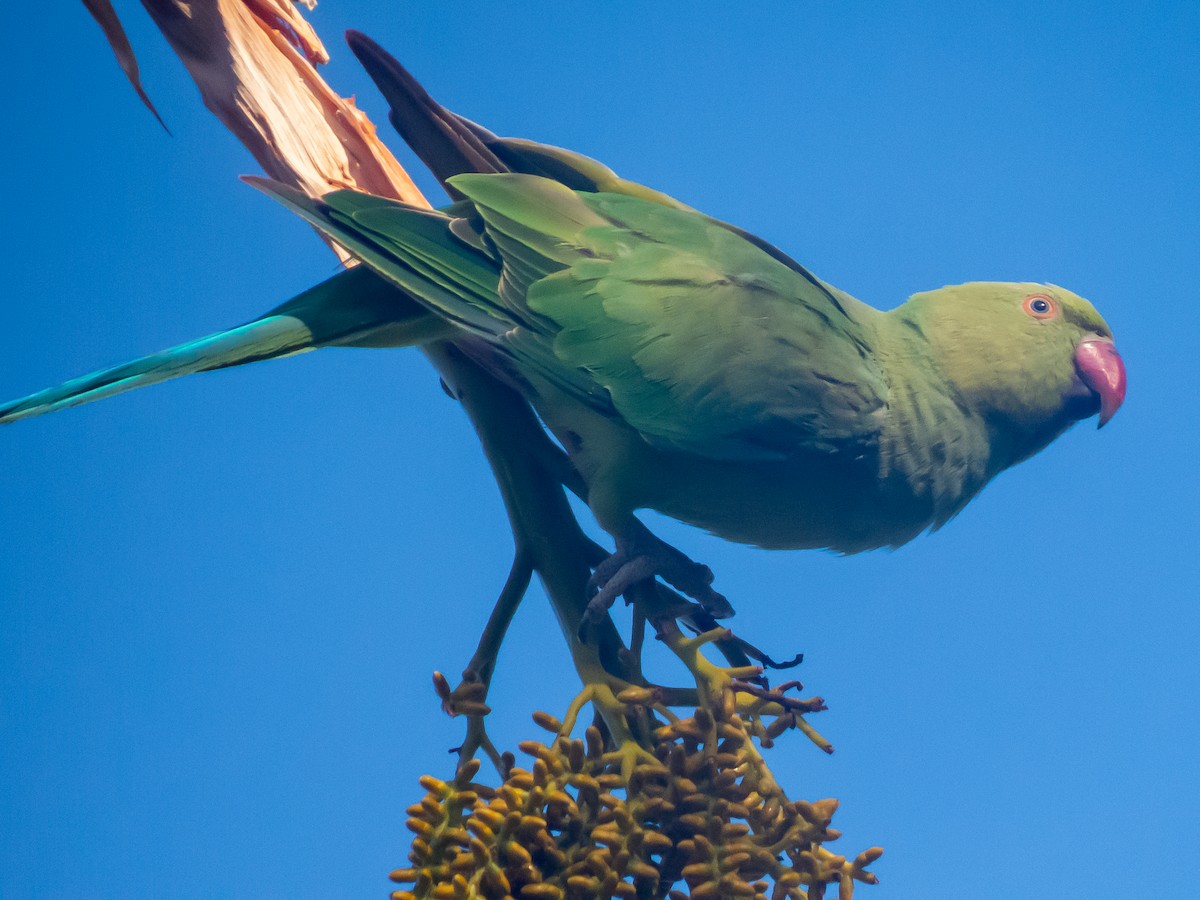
{"points": [[643, 558]]}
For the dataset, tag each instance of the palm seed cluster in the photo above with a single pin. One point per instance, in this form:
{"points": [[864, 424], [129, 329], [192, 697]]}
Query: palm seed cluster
{"points": [[701, 817]]}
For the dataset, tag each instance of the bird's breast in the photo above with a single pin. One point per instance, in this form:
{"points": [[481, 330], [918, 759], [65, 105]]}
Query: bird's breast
{"points": [[813, 500], [816, 501]]}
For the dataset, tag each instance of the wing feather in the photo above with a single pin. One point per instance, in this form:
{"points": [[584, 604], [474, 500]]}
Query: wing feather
{"points": [[701, 340], [696, 337]]}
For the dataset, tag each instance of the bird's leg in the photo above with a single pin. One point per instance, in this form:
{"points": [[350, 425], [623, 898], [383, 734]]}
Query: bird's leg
{"points": [[639, 557], [470, 696]]}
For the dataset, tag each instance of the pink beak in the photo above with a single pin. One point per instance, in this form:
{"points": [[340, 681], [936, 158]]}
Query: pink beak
{"points": [[1101, 368]]}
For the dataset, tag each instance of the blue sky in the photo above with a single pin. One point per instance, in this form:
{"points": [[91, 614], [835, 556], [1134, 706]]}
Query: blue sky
{"points": [[221, 599]]}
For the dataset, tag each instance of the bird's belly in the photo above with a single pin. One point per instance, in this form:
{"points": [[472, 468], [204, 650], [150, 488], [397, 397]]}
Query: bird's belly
{"points": [[814, 502], [819, 500]]}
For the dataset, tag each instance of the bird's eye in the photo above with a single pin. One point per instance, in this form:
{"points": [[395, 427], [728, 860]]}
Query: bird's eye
{"points": [[1041, 307]]}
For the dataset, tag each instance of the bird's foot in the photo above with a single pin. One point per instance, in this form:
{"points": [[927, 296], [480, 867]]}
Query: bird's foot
{"points": [[642, 558], [726, 690], [469, 699]]}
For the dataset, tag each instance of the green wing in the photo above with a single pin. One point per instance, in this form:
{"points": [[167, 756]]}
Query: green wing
{"points": [[702, 341], [653, 313]]}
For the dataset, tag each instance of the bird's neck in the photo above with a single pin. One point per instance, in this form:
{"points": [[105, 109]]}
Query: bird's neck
{"points": [[931, 442], [986, 386]]}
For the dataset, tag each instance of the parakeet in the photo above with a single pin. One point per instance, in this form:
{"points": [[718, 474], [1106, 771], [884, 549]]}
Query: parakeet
{"points": [[683, 364]]}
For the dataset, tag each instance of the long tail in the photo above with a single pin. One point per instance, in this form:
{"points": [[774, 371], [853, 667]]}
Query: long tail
{"points": [[353, 309]]}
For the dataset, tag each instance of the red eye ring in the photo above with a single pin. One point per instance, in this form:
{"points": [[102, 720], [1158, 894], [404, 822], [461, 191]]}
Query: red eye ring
{"points": [[1040, 306]]}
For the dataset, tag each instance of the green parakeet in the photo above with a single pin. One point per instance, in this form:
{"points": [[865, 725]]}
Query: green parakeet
{"points": [[684, 365]]}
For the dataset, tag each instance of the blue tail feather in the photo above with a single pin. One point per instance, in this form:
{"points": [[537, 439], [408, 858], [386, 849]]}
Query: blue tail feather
{"points": [[267, 338]]}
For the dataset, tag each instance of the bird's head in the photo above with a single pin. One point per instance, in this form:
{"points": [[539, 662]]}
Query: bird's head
{"points": [[1031, 358]]}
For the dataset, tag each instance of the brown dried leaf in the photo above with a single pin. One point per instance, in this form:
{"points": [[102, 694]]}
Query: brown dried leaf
{"points": [[282, 16], [102, 11], [253, 63]]}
